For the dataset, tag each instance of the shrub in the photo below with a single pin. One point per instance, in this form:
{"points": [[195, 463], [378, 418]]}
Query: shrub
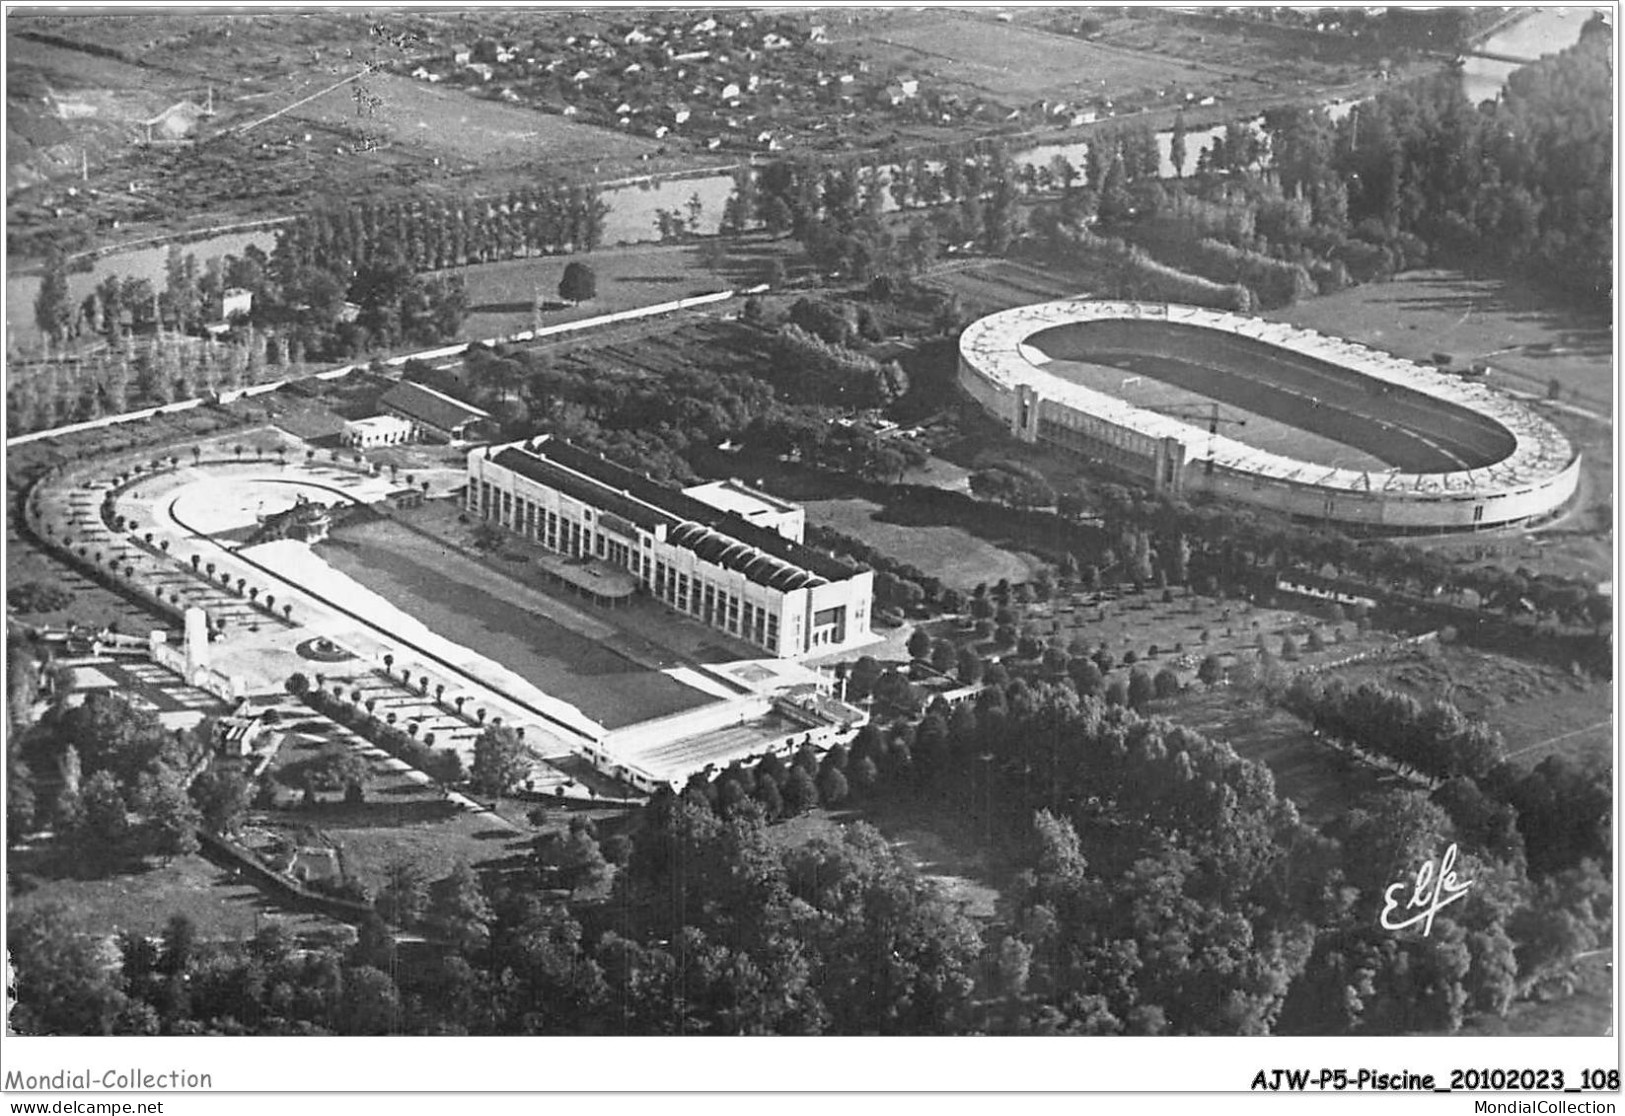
{"points": [[34, 596], [1166, 683]]}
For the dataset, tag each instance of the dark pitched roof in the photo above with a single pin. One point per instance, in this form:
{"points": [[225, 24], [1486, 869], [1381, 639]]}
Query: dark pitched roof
{"points": [[723, 538], [430, 407]]}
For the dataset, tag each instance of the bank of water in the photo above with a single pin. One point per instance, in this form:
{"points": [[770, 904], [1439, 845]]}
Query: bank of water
{"points": [[635, 206]]}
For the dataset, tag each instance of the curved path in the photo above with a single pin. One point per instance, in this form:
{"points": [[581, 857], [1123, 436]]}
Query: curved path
{"points": [[468, 677], [1001, 365]]}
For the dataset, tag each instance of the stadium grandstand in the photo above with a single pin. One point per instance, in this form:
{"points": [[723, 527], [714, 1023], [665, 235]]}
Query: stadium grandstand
{"points": [[1321, 428]]}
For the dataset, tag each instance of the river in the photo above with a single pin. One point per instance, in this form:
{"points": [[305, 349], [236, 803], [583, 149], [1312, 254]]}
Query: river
{"points": [[634, 206]]}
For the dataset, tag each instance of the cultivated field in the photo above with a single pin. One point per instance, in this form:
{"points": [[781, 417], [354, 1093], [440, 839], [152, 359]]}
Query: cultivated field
{"points": [[1012, 63]]}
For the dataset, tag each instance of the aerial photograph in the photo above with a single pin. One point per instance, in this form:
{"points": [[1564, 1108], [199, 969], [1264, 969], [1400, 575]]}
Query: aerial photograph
{"points": [[865, 521]]}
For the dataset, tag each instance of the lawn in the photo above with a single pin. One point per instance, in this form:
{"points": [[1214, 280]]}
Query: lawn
{"points": [[953, 555], [480, 609], [214, 898], [93, 605]]}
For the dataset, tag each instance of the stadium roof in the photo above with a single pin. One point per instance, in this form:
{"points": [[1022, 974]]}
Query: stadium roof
{"points": [[718, 536], [996, 346]]}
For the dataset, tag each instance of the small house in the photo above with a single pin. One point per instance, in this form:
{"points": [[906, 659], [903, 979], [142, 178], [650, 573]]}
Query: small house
{"points": [[380, 430]]}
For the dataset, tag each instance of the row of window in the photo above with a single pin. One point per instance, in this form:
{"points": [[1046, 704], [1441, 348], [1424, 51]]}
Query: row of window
{"points": [[715, 606], [702, 599]]}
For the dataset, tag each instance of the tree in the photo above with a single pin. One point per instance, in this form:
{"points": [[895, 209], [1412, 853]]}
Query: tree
{"points": [[64, 984], [1140, 688], [338, 770], [170, 819], [800, 793], [1166, 683], [404, 898], [106, 815], [458, 910], [53, 311], [860, 681], [371, 1003], [500, 761], [832, 786], [919, 644], [580, 283], [1211, 671], [221, 795]]}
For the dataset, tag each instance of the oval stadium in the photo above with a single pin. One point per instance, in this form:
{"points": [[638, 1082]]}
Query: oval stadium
{"points": [[1317, 427]]}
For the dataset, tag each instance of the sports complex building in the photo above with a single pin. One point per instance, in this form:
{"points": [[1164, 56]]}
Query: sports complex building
{"points": [[722, 553], [1196, 400]]}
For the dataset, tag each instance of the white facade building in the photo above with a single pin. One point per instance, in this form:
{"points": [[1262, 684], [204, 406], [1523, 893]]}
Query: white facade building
{"points": [[721, 553], [380, 430], [1515, 465]]}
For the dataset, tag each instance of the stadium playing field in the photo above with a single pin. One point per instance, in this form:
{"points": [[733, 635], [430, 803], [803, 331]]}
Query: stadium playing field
{"points": [[1134, 378]]}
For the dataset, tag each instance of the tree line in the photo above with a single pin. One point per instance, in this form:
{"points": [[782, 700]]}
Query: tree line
{"points": [[1161, 887], [1560, 812]]}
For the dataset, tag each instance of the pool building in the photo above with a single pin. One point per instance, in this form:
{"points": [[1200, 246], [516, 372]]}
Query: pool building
{"points": [[723, 553]]}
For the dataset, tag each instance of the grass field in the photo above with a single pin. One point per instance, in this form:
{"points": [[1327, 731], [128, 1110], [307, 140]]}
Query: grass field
{"points": [[1136, 380], [1526, 338], [988, 286], [946, 854], [1587, 1010], [955, 556], [501, 295], [219, 903], [1320, 780], [451, 123], [476, 608], [1538, 709]]}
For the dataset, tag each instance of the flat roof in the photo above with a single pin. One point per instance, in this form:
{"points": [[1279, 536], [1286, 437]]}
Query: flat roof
{"points": [[995, 346], [378, 422], [741, 499], [721, 537]]}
